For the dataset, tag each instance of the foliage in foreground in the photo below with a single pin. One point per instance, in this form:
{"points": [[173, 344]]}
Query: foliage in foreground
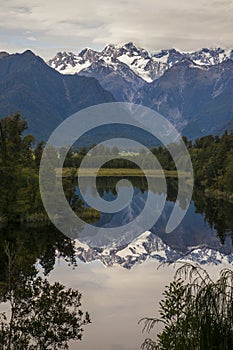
{"points": [[196, 312], [42, 316]]}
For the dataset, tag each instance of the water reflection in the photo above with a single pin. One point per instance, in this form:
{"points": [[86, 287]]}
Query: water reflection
{"points": [[205, 234], [35, 313], [114, 297], [35, 245], [217, 212]]}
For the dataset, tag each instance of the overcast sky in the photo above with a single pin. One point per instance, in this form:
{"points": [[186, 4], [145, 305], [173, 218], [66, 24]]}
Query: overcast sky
{"points": [[50, 26]]}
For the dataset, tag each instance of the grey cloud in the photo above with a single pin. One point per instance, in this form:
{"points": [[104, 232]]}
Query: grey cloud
{"points": [[21, 9], [152, 24]]}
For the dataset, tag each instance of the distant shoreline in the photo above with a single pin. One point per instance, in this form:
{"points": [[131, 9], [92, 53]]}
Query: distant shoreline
{"points": [[66, 172]]}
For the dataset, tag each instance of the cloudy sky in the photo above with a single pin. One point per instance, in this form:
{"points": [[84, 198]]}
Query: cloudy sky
{"points": [[50, 26]]}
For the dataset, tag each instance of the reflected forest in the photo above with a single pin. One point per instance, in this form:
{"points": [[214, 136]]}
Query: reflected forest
{"points": [[195, 312]]}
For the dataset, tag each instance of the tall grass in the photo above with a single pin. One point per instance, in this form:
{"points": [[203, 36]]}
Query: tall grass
{"points": [[197, 312]]}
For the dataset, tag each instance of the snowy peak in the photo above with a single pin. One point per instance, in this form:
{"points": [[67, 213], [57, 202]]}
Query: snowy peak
{"points": [[187, 62], [129, 49], [88, 55], [69, 63], [117, 57], [139, 250], [161, 81], [138, 61], [169, 57], [151, 246], [209, 56]]}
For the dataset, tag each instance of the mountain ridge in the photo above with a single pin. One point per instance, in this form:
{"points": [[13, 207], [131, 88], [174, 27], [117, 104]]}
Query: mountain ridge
{"points": [[42, 95], [193, 90], [146, 65], [196, 99], [194, 94]]}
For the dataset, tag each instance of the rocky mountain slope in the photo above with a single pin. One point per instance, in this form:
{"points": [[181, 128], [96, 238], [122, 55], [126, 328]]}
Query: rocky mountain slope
{"points": [[196, 99], [42, 95], [148, 66], [193, 90]]}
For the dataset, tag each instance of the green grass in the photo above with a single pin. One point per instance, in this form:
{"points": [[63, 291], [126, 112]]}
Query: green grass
{"points": [[89, 215], [120, 172]]}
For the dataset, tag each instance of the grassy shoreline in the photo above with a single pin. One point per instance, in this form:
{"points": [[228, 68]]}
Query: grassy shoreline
{"points": [[66, 172]]}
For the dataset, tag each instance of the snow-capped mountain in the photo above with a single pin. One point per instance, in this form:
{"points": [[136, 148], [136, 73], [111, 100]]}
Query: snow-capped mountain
{"points": [[111, 67], [127, 70], [195, 98], [151, 246], [191, 90], [145, 65]]}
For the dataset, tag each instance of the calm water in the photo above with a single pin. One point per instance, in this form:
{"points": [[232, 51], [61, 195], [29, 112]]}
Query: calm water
{"points": [[208, 223], [122, 283]]}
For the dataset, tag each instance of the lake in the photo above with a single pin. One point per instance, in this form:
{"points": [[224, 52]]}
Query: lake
{"points": [[121, 283]]}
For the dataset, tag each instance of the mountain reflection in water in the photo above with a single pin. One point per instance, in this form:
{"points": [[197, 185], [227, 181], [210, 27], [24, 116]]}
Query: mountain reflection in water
{"points": [[117, 298]]}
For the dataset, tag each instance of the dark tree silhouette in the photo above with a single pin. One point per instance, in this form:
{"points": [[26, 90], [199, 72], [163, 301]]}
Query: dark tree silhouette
{"points": [[196, 312], [42, 316]]}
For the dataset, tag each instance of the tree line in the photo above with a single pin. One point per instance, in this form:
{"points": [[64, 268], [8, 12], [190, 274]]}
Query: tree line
{"points": [[212, 159], [19, 177]]}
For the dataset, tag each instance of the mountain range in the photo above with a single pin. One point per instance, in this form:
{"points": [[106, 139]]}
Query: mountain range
{"points": [[151, 246], [195, 239], [193, 90], [144, 64], [43, 96]]}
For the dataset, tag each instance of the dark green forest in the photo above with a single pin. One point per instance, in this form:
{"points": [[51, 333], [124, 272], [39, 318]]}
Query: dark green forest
{"points": [[212, 158], [41, 315], [19, 177]]}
